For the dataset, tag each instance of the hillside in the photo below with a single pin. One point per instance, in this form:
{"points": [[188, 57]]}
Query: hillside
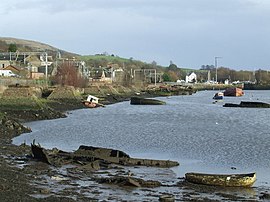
{"points": [[31, 46], [91, 60], [104, 60]]}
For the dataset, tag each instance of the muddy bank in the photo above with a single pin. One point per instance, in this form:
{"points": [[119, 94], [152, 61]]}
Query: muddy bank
{"points": [[77, 177], [16, 181], [68, 180], [25, 103]]}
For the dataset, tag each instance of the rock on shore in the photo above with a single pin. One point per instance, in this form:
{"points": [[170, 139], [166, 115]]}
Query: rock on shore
{"points": [[10, 128]]}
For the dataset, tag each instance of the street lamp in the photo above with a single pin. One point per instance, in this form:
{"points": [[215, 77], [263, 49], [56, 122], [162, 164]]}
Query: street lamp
{"points": [[216, 65]]}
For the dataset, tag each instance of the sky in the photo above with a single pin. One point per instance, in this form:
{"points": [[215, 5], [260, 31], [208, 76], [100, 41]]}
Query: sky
{"points": [[189, 33]]}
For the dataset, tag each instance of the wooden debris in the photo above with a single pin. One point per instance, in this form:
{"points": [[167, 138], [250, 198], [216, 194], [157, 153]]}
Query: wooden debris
{"points": [[39, 154], [129, 181]]}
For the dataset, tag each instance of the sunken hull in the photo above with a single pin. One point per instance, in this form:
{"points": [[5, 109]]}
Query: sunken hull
{"points": [[234, 92], [230, 180], [144, 101], [248, 104]]}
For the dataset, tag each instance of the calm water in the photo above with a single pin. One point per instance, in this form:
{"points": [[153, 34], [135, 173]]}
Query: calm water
{"points": [[202, 136]]}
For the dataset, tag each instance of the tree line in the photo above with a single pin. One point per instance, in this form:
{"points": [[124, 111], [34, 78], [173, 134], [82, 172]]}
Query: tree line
{"points": [[259, 76], [173, 73], [68, 75]]}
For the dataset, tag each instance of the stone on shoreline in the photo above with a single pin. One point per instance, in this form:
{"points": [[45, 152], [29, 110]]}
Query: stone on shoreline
{"points": [[10, 128]]}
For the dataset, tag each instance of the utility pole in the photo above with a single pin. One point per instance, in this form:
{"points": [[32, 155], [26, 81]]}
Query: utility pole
{"points": [[216, 65], [112, 74], [46, 68]]}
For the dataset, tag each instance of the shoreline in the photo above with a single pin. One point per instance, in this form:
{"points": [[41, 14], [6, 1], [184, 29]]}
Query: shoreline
{"points": [[13, 156], [38, 169]]}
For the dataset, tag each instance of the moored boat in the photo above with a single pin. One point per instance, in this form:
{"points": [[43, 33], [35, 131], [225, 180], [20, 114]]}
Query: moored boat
{"points": [[230, 180], [235, 92], [218, 96]]}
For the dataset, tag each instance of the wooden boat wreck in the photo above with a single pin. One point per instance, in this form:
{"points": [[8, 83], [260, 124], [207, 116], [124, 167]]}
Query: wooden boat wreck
{"points": [[145, 101], [229, 180], [235, 92], [95, 157], [92, 102], [248, 104]]}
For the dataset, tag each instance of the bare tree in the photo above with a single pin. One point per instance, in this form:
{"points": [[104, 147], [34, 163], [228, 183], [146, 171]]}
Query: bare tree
{"points": [[67, 75]]}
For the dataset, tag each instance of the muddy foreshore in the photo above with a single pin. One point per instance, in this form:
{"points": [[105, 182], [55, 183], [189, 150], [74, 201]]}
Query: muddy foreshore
{"points": [[24, 178]]}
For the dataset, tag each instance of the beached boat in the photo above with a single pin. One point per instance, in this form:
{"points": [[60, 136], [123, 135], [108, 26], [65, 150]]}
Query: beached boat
{"points": [[89, 104], [218, 96], [92, 102], [230, 180], [144, 101], [235, 92]]}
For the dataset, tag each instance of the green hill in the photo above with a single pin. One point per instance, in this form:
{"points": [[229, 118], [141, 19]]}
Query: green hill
{"points": [[31, 46]]}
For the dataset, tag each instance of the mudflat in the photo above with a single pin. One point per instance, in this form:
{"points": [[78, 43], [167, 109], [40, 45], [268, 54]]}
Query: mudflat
{"points": [[72, 178]]}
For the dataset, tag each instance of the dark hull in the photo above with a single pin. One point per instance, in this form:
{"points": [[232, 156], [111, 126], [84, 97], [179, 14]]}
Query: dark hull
{"points": [[218, 97], [144, 101], [246, 104]]}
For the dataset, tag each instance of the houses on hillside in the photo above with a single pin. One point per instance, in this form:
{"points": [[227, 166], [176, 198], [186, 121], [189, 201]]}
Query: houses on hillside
{"points": [[40, 65], [36, 65], [14, 69], [22, 64], [110, 73]]}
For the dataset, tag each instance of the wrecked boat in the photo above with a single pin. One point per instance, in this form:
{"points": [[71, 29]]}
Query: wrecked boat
{"points": [[248, 104], [95, 157], [129, 181], [145, 101], [234, 92], [39, 153], [229, 180], [92, 102]]}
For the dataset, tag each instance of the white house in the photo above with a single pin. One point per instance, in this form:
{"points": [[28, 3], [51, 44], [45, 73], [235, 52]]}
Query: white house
{"points": [[192, 78], [226, 81]]}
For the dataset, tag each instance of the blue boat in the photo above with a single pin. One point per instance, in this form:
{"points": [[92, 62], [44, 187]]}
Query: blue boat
{"points": [[218, 96]]}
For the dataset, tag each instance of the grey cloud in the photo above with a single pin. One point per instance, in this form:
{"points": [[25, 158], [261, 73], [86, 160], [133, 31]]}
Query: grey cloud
{"points": [[189, 32]]}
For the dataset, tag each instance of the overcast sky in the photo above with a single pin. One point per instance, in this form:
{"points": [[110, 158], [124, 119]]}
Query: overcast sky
{"points": [[189, 33]]}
